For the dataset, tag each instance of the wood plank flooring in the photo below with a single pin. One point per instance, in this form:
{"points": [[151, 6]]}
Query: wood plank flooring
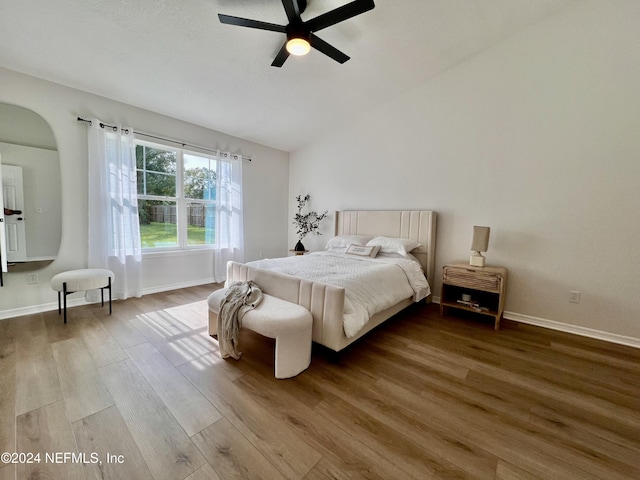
{"points": [[144, 394]]}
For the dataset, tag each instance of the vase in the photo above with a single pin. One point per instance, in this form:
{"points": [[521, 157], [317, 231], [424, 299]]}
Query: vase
{"points": [[299, 247]]}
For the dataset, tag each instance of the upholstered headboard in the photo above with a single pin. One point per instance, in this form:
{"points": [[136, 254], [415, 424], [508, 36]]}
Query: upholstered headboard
{"points": [[419, 225]]}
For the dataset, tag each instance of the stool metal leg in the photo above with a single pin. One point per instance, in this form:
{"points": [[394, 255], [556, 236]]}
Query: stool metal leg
{"points": [[64, 291], [108, 287]]}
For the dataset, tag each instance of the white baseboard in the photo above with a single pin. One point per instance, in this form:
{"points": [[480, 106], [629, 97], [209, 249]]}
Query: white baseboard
{"points": [[176, 286], [569, 328], [47, 307], [44, 307], [575, 329]]}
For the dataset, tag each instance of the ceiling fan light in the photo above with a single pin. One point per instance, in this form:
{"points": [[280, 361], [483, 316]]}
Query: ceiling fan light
{"points": [[298, 46]]}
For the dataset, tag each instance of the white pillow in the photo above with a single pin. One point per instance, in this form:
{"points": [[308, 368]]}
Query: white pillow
{"points": [[363, 250], [343, 241], [394, 245], [408, 256]]}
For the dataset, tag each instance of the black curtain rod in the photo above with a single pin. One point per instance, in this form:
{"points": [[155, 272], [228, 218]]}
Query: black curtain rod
{"points": [[126, 130]]}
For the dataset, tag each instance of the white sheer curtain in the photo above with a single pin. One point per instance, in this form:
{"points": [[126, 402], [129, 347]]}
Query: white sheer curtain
{"points": [[114, 230], [229, 226]]}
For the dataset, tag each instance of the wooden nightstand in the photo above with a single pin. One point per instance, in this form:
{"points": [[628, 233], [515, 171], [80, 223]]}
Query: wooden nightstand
{"points": [[485, 285]]}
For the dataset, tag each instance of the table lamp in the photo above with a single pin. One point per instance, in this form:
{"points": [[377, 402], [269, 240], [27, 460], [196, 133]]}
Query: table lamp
{"points": [[479, 244]]}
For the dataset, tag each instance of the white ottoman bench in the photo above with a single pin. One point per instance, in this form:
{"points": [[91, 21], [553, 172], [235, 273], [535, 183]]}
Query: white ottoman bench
{"points": [[73, 281], [288, 323]]}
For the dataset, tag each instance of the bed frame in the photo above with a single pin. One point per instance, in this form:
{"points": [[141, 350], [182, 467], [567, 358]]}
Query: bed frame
{"points": [[326, 302]]}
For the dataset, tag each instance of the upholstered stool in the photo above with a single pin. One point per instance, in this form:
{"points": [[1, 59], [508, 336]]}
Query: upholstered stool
{"points": [[288, 323], [80, 280]]}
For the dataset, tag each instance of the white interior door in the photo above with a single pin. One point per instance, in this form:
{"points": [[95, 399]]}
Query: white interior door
{"points": [[13, 199], [3, 242]]}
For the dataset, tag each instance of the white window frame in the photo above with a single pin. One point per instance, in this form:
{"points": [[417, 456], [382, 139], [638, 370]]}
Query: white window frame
{"points": [[179, 199]]}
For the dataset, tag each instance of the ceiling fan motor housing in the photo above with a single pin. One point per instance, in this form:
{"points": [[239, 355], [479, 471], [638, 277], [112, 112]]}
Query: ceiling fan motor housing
{"points": [[297, 30]]}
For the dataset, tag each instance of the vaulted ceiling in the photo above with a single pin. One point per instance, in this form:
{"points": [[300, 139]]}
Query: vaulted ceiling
{"points": [[174, 57]]}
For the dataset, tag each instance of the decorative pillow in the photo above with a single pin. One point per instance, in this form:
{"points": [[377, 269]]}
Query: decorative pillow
{"points": [[343, 241], [363, 250], [395, 245]]}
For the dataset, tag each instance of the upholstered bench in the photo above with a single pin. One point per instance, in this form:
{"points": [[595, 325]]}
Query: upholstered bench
{"points": [[81, 280], [288, 323]]}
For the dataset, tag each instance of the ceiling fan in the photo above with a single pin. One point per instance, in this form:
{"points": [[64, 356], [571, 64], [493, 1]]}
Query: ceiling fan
{"points": [[300, 34]]}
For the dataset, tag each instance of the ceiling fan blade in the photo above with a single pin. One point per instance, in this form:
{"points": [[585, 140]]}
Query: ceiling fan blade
{"points": [[245, 22], [292, 9], [339, 14], [327, 49], [283, 54]]}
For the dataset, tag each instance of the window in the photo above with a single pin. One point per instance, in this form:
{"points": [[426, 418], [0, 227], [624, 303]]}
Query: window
{"points": [[176, 197]]}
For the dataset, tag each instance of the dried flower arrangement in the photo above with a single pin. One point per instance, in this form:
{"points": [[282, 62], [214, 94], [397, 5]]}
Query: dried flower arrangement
{"points": [[308, 223]]}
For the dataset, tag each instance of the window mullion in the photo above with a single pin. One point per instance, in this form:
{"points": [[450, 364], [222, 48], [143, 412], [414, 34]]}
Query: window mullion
{"points": [[144, 169], [181, 207]]}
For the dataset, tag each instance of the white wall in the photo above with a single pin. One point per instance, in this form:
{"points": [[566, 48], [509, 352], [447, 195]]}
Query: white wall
{"points": [[265, 189], [539, 138]]}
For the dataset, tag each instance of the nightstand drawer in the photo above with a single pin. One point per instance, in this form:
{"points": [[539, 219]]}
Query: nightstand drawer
{"points": [[462, 277]]}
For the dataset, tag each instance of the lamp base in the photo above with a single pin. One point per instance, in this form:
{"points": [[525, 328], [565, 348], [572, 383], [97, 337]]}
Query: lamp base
{"points": [[476, 260]]}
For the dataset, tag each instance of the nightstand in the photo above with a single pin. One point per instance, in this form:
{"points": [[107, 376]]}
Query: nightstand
{"points": [[485, 286], [299, 252]]}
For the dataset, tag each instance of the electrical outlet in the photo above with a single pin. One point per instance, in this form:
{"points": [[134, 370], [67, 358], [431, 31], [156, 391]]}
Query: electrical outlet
{"points": [[574, 296], [32, 279]]}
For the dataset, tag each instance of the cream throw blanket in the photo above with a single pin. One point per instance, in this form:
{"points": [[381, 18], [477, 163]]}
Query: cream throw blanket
{"points": [[239, 299]]}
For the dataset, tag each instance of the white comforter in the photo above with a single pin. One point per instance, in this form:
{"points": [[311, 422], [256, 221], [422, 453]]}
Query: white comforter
{"points": [[371, 284]]}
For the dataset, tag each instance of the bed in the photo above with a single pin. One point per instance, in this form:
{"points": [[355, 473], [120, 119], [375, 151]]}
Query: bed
{"points": [[330, 302]]}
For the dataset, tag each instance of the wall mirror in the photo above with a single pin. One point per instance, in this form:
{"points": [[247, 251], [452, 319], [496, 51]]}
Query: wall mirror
{"points": [[31, 199]]}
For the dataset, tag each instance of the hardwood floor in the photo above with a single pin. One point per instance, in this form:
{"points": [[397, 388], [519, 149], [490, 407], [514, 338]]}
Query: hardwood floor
{"points": [[143, 394]]}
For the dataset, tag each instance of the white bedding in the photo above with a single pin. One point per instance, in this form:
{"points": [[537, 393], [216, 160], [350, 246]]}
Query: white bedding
{"points": [[371, 284]]}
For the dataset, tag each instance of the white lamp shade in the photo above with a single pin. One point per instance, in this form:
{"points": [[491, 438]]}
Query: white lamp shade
{"points": [[480, 242]]}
